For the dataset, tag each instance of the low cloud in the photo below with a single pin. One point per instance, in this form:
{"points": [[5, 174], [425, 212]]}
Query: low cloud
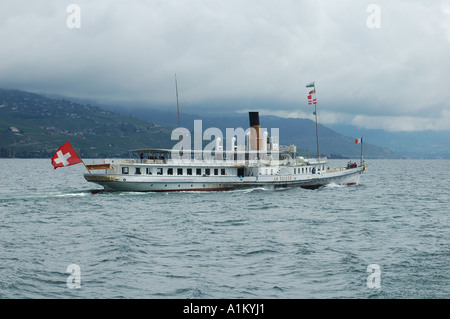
{"points": [[242, 54]]}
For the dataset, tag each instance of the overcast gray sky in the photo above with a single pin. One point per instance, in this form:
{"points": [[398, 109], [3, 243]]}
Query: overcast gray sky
{"points": [[389, 71]]}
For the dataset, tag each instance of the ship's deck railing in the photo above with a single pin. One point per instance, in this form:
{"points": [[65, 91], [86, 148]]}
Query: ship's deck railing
{"points": [[135, 161], [213, 162], [312, 161]]}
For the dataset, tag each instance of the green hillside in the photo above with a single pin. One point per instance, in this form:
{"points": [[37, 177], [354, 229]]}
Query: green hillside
{"points": [[32, 125]]}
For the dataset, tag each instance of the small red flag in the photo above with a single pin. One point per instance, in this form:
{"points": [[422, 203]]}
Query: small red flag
{"points": [[358, 140], [65, 156]]}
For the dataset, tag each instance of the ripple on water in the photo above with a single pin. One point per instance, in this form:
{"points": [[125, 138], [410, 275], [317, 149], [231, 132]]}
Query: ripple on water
{"points": [[292, 243]]}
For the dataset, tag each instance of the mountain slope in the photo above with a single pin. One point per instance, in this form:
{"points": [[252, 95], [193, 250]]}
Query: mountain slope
{"points": [[32, 125], [300, 132], [420, 144]]}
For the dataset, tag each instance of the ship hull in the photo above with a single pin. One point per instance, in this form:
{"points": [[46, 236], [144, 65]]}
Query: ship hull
{"points": [[155, 184]]}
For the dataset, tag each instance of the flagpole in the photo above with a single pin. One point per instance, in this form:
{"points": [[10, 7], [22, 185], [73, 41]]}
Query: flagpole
{"points": [[317, 130], [361, 161], [80, 158]]}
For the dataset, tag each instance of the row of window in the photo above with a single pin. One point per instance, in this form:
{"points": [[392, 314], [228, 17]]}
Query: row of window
{"points": [[302, 170], [297, 170], [205, 171], [175, 171]]}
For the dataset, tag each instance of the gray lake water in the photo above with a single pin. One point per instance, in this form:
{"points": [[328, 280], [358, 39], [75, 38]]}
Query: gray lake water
{"points": [[292, 243]]}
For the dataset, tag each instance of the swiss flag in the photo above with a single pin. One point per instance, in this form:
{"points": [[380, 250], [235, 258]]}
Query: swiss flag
{"points": [[65, 156]]}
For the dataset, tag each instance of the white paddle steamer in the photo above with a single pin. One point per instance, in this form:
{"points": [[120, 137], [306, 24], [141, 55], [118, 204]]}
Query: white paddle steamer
{"points": [[259, 163]]}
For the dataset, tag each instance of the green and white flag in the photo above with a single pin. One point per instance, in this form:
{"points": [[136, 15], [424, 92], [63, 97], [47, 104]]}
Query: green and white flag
{"points": [[310, 85]]}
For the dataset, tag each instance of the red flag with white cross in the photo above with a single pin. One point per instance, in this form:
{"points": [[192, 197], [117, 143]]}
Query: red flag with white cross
{"points": [[65, 156]]}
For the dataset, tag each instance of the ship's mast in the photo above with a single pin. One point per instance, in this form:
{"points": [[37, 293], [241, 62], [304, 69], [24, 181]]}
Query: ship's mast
{"points": [[317, 130]]}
